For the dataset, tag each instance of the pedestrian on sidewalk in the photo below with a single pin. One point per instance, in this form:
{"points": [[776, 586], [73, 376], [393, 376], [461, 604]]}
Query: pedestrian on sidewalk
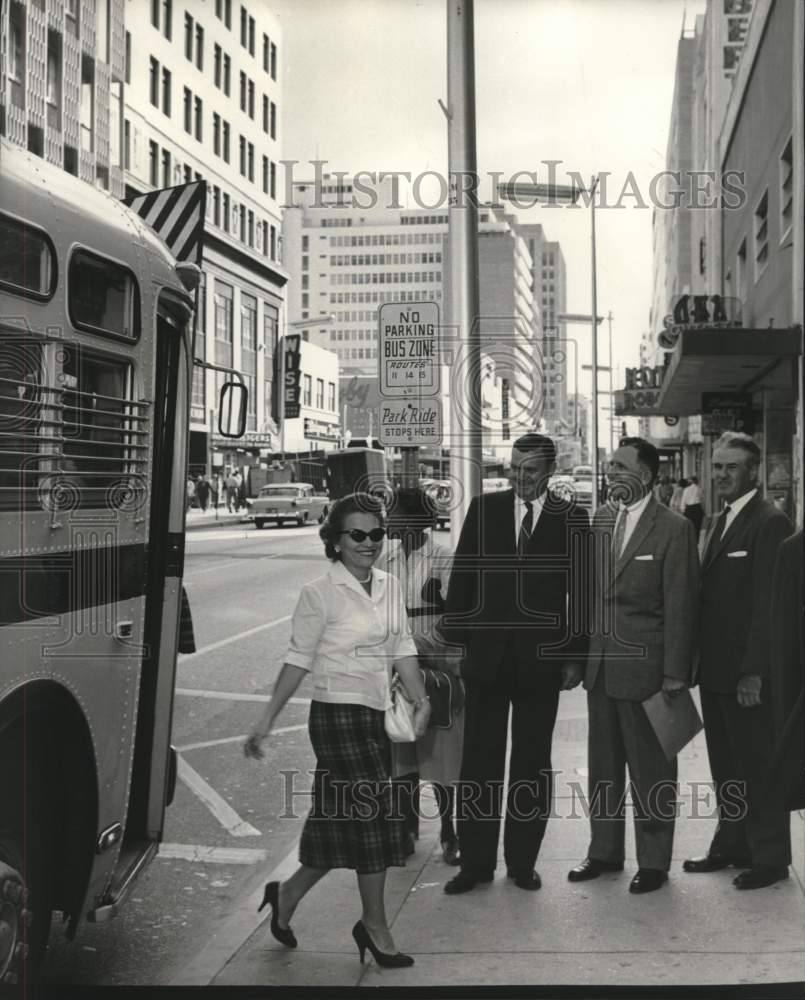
{"points": [[514, 605], [692, 504], [232, 491], [735, 637], [349, 629], [190, 492], [645, 585], [422, 567], [203, 492]]}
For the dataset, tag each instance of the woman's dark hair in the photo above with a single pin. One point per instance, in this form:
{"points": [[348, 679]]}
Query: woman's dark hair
{"points": [[413, 507], [352, 503]]}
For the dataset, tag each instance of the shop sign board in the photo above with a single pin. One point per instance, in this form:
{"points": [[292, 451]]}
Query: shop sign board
{"points": [[407, 423], [408, 349], [727, 411], [292, 376], [692, 312]]}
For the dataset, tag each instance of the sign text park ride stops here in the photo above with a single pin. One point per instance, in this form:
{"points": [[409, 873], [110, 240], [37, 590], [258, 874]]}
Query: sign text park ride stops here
{"points": [[408, 349]]}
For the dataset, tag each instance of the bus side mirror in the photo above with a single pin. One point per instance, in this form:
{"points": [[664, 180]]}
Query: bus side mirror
{"points": [[232, 409]]}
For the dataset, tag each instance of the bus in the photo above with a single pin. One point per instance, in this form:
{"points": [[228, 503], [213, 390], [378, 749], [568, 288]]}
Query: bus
{"points": [[96, 363]]}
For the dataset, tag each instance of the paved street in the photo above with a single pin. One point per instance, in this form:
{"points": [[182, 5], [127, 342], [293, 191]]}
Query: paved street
{"points": [[222, 831]]}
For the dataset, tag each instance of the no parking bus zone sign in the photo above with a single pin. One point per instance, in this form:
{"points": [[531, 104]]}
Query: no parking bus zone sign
{"points": [[410, 412]]}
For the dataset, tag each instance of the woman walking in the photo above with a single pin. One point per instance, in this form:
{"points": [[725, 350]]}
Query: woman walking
{"points": [[422, 567], [349, 629]]}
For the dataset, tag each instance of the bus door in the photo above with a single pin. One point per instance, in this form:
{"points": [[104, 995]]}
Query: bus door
{"points": [[154, 760]]}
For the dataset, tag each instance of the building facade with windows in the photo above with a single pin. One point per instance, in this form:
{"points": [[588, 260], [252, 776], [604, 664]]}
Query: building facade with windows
{"points": [[754, 364], [318, 426], [549, 276], [62, 65], [203, 102], [347, 260]]}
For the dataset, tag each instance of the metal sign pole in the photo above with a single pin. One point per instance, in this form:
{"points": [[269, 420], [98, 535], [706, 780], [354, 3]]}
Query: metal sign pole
{"points": [[462, 302]]}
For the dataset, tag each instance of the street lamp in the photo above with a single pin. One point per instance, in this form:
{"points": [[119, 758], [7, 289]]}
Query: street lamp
{"points": [[569, 194], [299, 324]]}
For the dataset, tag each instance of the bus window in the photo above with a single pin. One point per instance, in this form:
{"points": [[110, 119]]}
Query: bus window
{"points": [[103, 297], [104, 441], [27, 260], [21, 399]]}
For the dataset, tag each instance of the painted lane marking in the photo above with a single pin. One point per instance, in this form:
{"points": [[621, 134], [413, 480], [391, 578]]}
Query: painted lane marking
{"points": [[213, 855], [237, 739], [232, 638], [218, 806]]}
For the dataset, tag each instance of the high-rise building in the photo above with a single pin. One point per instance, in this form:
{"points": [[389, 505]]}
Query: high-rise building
{"points": [[347, 260], [61, 84], [550, 290], [203, 102]]}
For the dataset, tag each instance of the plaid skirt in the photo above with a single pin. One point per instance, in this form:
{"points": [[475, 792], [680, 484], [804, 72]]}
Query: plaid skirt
{"points": [[354, 822]]}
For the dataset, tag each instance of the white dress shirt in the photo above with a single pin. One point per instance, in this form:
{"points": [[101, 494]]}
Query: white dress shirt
{"points": [[520, 511], [691, 495], [735, 509], [632, 514], [349, 639]]}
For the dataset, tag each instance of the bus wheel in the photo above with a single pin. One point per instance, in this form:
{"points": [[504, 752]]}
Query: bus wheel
{"points": [[259, 523], [24, 906]]}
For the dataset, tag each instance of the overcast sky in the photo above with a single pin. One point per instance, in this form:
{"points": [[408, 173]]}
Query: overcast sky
{"points": [[587, 82]]}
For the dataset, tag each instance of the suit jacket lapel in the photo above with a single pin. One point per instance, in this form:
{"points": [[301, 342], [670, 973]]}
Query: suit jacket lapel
{"points": [[638, 536], [719, 545]]}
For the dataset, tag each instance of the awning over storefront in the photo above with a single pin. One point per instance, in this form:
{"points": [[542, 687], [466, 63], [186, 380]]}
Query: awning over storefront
{"points": [[733, 359]]}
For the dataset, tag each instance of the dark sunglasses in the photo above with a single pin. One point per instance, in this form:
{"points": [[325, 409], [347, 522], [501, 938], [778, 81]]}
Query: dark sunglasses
{"points": [[375, 535]]}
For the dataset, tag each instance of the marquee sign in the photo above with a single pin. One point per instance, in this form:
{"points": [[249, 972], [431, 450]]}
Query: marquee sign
{"points": [[292, 376], [691, 312]]}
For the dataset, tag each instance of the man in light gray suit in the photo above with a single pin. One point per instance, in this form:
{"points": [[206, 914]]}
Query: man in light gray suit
{"points": [[646, 585]]}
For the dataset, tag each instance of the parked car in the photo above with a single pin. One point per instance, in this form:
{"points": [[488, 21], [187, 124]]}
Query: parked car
{"points": [[281, 502]]}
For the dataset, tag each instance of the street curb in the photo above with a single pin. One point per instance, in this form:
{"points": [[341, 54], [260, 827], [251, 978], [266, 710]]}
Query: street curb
{"points": [[214, 522]]}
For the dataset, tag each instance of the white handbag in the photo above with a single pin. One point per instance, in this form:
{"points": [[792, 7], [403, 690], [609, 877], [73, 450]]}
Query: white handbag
{"points": [[399, 718]]}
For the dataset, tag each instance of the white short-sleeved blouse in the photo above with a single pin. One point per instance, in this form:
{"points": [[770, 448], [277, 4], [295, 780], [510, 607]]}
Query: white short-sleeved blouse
{"points": [[349, 639]]}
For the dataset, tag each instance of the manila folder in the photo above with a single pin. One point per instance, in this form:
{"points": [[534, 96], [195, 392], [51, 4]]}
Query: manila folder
{"points": [[675, 720]]}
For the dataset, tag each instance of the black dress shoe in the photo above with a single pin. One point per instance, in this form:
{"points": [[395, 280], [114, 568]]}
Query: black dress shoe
{"points": [[464, 882], [759, 876], [647, 880], [450, 853], [590, 868], [525, 880], [714, 863]]}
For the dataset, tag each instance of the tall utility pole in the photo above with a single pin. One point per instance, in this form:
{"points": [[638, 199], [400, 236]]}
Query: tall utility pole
{"points": [[594, 463], [611, 394], [463, 300]]}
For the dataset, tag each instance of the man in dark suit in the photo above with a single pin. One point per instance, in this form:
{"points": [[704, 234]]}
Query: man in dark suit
{"points": [[643, 642], [739, 552], [514, 605]]}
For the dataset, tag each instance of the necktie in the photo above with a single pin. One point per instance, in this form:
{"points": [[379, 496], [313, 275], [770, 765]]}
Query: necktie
{"points": [[718, 531], [526, 527], [620, 532]]}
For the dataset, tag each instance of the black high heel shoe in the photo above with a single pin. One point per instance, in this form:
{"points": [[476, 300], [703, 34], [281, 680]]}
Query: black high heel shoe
{"points": [[383, 959], [271, 896]]}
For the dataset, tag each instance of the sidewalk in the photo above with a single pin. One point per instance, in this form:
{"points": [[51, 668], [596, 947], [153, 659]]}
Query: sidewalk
{"points": [[696, 930]]}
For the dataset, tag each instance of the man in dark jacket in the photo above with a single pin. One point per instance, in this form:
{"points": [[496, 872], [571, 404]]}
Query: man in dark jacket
{"points": [[739, 553], [514, 605]]}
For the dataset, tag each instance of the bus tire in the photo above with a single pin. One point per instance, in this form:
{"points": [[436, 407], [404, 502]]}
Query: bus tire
{"points": [[259, 523], [25, 904]]}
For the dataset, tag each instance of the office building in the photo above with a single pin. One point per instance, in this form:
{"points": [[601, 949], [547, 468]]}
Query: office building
{"points": [[62, 85], [347, 260], [203, 102], [549, 276]]}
